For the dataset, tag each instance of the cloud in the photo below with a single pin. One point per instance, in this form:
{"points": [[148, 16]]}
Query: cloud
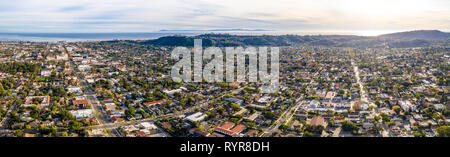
{"points": [[72, 8], [286, 15]]}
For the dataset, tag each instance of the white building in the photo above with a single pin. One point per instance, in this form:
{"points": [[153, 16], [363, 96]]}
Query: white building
{"points": [[313, 104], [148, 125], [171, 92], [196, 117], [85, 113], [439, 107], [84, 67], [76, 90], [44, 101], [407, 106], [235, 100], [263, 100], [46, 73]]}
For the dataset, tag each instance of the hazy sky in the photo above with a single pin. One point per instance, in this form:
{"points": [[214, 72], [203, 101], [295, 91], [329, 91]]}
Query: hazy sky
{"points": [[368, 17]]}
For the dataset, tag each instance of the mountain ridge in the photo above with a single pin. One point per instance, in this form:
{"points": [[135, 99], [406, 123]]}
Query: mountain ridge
{"points": [[418, 34], [420, 38]]}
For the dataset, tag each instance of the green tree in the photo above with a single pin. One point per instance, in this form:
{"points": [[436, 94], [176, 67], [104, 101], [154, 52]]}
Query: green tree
{"points": [[385, 117], [251, 124], [64, 134], [307, 134], [349, 126], [19, 133], [396, 108], [235, 107], [130, 112], [443, 131], [66, 115], [75, 126]]}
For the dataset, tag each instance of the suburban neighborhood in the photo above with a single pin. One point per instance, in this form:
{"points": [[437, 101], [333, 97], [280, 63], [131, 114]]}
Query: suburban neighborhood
{"points": [[124, 89]]}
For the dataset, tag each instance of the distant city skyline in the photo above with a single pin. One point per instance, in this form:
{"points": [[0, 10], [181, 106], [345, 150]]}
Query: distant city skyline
{"points": [[333, 16]]}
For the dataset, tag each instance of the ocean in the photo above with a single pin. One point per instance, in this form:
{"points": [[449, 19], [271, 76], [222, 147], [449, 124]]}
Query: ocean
{"points": [[75, 37]]}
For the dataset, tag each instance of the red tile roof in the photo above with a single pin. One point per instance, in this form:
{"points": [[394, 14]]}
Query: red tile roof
{"points": [[238, 129], [118, 119], [80, 102], [252, 133], [227, 128], [227, 125], [166, 124], [225, 131], [29, 100], [139, 133], [153, 102]]}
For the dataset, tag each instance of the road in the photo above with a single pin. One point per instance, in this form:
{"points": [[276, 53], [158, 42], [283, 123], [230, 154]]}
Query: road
{"points": [[91, 97], [105, 123], [285, 117], [6, 118], [358, 80], [154, 119], [274, 127], [386, 130]]}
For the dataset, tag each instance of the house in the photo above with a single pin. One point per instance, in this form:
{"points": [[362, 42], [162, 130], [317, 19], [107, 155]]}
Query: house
{"points": [[238, 129], [439, 107], [157, 102], [251, 133], [368, 125], [46, 73], [263, 100], [171, 92], [196, 117], [148, 125], [117, 119], [295, 125], [240, 112], [313, 104], [43, 101], [75, 90], [343, 106], [317, 121], [166, 125], [116, 113], [130, 128], [235, 100], [253, 116], [229, 129], [84, 67], [330, 96], [417, 117], [301, 115], [109, 106], [407, 106], [198, 133], [29, 135], [80, 103], [257, 106], [364, 106], [393, 101], [85, 113]]}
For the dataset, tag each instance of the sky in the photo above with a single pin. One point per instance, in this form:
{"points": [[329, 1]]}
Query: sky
{"points": [[361, 17]]}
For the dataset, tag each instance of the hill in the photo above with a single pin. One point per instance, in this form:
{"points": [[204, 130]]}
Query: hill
{"points": [[420, 38], [418, 34]]}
